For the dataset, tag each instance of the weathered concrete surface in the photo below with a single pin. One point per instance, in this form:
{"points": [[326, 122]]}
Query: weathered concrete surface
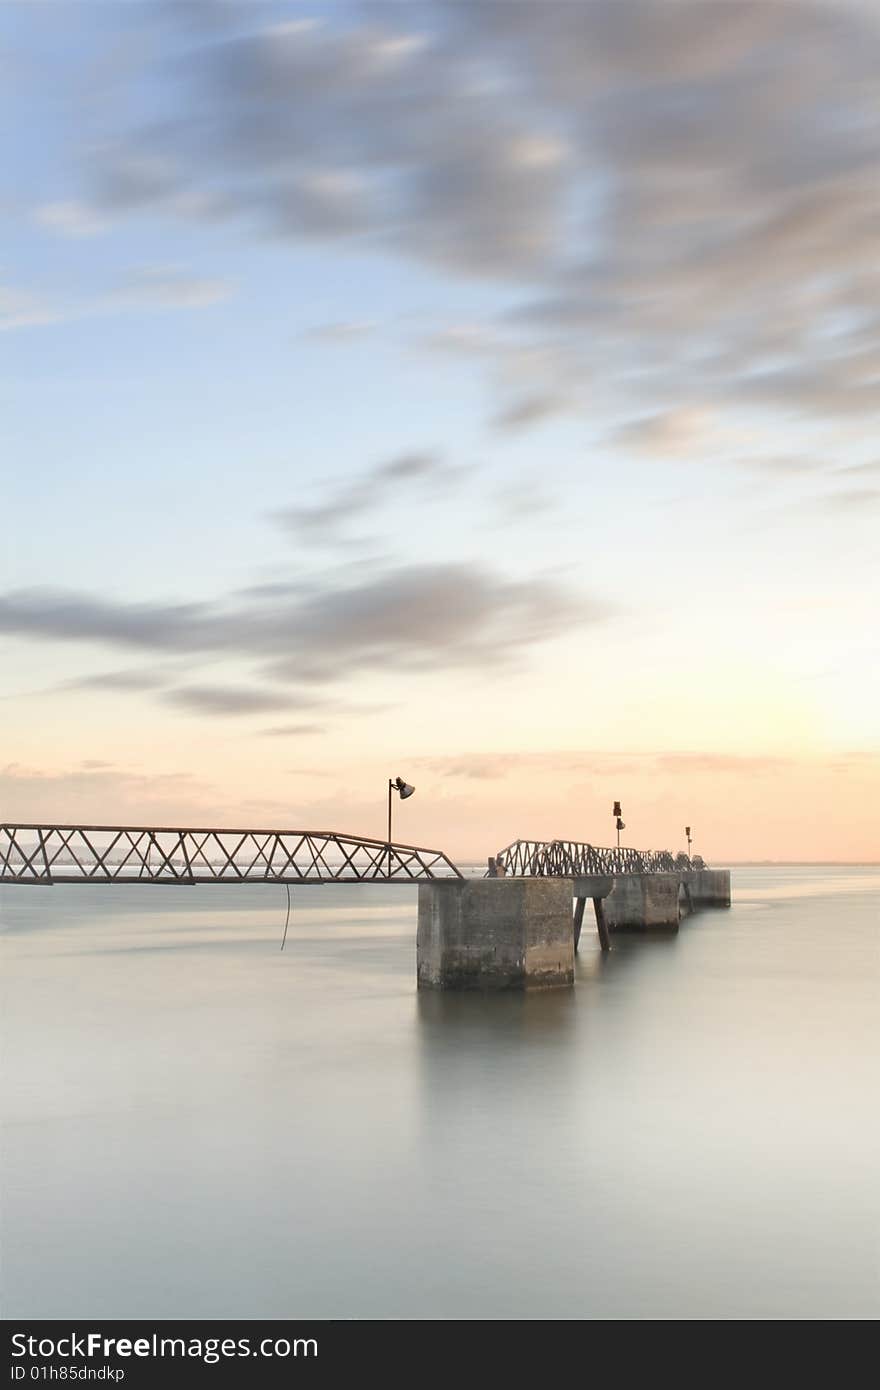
{"points": [[644, 902], [708, 888], [495, 933]]}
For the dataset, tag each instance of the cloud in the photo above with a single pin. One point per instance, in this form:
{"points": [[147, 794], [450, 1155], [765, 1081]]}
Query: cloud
{"points": [[69, 617], [323, 522], [119, 680], [465, 339], [225, 700], [710, 764], [668, 434], [684, 196], [407, 617], [418, 616], [167, 287], [536, 378], [579, 762], [529, 410], [129, 178], [293, 731], [69, 219], [867, 470], [22, 309], [372, 130], [98, 794], [150, 287], [344, 331], [851, 499], [322, 203], [524, 500], [410, 466], [792, 466]]}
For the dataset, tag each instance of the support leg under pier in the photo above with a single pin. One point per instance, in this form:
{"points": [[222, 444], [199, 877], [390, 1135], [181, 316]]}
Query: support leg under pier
{"points": [[578, 919], [601, 924]]}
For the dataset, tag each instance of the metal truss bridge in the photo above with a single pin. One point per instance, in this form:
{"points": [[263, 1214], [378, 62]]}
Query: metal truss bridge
{"points": [[571, 859], [50, 854]]}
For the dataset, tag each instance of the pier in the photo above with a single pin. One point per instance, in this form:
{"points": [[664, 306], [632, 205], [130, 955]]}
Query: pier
{"points": [[518, 927]]}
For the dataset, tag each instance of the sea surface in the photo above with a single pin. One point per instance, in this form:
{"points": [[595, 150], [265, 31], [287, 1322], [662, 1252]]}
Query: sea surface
{"points": [[196, 1124]]}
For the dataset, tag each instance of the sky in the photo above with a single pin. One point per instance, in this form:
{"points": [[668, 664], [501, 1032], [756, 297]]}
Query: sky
{"points": [[481, 393]]}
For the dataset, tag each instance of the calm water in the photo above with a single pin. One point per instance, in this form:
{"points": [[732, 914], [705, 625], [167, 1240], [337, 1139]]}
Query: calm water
{"points": [[198, 1125]]}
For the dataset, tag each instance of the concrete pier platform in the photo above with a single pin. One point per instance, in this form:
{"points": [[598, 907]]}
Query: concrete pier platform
{"points": [[708, 888], [522, 932], [495, 933], [644, 902]]}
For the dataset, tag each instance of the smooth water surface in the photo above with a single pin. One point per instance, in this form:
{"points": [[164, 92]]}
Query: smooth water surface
{"points": [[197, 1125]]}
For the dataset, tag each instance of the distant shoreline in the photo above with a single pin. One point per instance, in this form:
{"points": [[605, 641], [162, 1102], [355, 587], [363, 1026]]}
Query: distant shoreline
{"points": [[803, 863]]}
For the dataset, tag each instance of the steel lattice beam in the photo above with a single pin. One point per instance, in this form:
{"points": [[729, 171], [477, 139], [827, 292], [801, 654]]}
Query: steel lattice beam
{"points": [[142, 854], [571, 859]]}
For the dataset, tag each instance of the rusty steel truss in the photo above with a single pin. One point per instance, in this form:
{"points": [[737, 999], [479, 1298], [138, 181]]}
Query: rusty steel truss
{"points": [[137, 854], [570, 859]]}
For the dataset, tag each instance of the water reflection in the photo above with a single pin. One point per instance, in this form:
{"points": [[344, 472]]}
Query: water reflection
{"points": [[690, 1131]]}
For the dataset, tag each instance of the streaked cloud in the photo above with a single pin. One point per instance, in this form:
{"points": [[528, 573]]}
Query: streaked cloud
{"points": [[405, 617], [667, 434], [529, 410], [324, 521], [783, 466], [167, 287], [602, 762], [99, 794], [867, 470], [293, 731], [23, 309], [344, 331], [119, 680], [642, 171], [69, 218], [851, 499], [147, 288], [225, 700]]}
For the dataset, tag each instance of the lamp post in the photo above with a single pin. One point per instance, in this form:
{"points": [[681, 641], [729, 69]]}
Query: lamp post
{"points": [[619, 825], [403, 789]]}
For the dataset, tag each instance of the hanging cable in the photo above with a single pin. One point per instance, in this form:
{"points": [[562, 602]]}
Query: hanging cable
{"points": [[287, 918]]}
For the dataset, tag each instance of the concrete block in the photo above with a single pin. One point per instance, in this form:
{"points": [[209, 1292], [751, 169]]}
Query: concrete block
{"points": [[495, 933], [643, 902], [710, 888]]}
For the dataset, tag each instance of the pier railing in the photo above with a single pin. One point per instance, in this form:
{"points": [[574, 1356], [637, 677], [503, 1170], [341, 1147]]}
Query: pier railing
{"points": [[572, 859], [137, 854]]}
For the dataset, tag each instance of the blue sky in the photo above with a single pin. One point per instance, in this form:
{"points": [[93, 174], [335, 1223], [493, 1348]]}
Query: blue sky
{"points": [[490, 390]]}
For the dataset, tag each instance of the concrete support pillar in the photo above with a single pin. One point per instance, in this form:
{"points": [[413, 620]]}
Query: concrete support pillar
{"points": [[580, 904], [495, 933], [601, 924], [597, 887], [643, 902]]}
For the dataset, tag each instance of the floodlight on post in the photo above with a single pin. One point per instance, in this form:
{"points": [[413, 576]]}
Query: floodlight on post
{"points": [[617, 813], [403, 789], [687, 831]]}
